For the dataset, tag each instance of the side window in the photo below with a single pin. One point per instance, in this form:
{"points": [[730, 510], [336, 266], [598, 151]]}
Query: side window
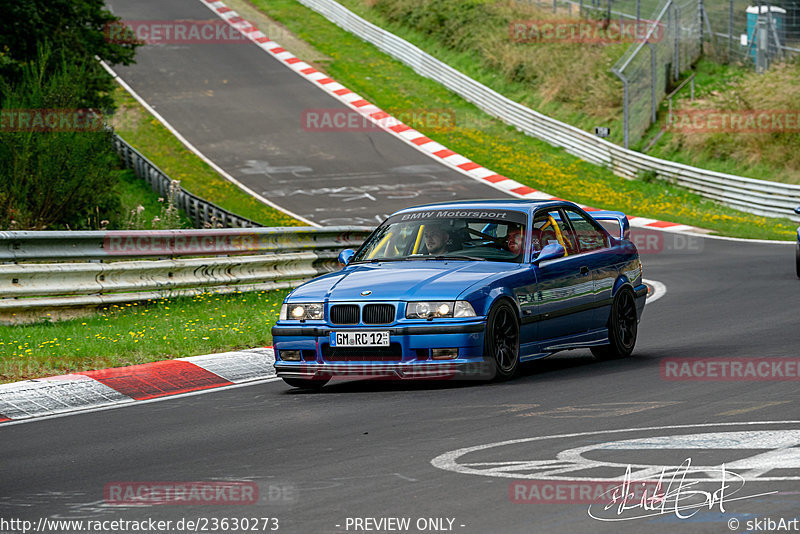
{"points": [[589, 236], [549, 226]]}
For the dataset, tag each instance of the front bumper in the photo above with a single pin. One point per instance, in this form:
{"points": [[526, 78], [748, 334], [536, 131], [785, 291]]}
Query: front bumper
{"points": [[410, 357], [640, 297], [433, 371]]}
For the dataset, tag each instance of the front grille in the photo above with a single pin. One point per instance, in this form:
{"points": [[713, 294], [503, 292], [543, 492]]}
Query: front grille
{"points": [[378, 313], [392, 353], [344, 314]]}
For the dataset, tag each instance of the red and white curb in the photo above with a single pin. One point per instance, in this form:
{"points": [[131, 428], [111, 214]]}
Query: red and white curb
{"points": [[108, 388], [402, 131], [105, 388]]}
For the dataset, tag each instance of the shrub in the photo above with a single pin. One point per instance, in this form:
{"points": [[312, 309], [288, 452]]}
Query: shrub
{"points": [[52, 178]]}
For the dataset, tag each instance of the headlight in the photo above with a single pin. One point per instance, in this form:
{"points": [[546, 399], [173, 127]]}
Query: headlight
{"points": [[439, 309], [301, 312]]}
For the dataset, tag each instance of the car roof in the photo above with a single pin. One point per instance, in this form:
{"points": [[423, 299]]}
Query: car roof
{"points": [[513, 204]]}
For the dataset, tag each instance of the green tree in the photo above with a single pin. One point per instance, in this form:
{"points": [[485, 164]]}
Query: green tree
{"points": [[57, 174], [74, 30]]}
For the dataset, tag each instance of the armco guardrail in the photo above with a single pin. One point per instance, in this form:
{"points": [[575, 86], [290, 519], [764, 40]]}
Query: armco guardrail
{"points": [[755, 196], [232, 260], [127, 244], [200, 211]]}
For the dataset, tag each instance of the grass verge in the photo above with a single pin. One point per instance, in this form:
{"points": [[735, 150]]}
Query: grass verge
{"points": [[140, 333], [134, 193], [770, 151], [572, 81], [134, 124], [399, 90]]}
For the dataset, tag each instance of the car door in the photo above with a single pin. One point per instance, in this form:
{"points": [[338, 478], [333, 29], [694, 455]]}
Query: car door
{"points": [[594, 247], [565, 290]]}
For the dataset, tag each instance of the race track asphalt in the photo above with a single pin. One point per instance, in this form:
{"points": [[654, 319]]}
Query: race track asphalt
{"points": [[364, 449]]}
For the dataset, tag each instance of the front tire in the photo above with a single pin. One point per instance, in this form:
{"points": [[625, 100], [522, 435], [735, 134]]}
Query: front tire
{"points": [[306, 383], [623, 326], [501, 340]]}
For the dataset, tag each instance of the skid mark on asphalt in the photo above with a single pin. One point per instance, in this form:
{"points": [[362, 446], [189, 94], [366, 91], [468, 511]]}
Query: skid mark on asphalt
{"points": [[606, 409], [758, 406]]}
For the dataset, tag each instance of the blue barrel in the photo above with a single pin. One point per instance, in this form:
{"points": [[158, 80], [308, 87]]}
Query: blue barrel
{"points": [[778, 19]]}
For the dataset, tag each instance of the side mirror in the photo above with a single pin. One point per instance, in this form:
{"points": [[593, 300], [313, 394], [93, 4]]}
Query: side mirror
{"points": [[797, 210], [550, 252], [346, 255]]}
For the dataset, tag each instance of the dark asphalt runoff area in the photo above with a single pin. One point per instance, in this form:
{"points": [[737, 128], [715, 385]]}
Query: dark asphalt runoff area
{"points": [[355, 455]]}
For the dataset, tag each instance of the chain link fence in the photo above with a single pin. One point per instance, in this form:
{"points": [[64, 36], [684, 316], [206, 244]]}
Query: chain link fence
{"points": [[648, 69], [751, 32], [668, 41], [754, 32]]}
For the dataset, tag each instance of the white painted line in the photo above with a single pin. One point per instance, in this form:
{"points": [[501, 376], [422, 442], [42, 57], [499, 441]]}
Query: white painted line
{"points": [[659, 290], [139, 403], [505, 468]]}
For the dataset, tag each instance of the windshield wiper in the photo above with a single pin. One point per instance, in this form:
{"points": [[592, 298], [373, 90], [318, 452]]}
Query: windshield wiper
{"points": [[376, 260], [441, 258], [419, 257]]}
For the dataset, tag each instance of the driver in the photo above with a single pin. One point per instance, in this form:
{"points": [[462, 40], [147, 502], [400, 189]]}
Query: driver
{"points": [[436, 237]]}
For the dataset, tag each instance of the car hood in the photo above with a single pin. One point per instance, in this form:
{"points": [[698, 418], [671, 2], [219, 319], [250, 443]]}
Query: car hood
{"points": [[417, 280]]}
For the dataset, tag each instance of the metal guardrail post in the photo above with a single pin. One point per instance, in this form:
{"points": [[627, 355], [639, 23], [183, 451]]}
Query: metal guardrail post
{"points": [[730, 29], [653, 104], [700, 11], [625, 102], [676, 54], [638, 13]]}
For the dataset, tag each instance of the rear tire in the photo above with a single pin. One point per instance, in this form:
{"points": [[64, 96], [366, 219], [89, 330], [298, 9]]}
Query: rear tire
{"points": [[501, 340], [306, 383], [623, 326]]}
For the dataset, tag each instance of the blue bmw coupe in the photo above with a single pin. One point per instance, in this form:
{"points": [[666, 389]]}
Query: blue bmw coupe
{"points": [[464, 290]]}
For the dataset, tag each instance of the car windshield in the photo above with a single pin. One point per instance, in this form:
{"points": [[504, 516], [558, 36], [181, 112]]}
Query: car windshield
{"points": [[464, 234]]}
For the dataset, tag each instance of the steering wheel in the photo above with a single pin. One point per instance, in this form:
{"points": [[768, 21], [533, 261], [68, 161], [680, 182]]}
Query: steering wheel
{"points": [[497, 242]]}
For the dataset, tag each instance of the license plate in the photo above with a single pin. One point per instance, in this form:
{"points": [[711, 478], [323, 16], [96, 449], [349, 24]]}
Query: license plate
{"points": [[359, 339]]}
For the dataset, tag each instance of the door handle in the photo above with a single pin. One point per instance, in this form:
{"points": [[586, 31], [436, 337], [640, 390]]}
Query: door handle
{"points": [[584, 270]]}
